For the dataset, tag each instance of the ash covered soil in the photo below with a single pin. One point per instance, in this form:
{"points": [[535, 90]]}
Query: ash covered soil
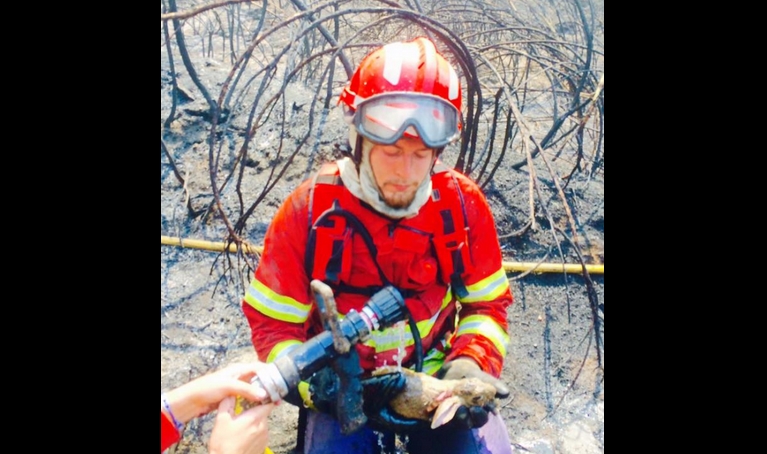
{"points": [[554, 367]]}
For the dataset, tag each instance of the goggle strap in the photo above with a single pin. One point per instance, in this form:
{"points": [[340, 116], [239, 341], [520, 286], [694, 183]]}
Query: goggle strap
{"points": [[357, 156]]}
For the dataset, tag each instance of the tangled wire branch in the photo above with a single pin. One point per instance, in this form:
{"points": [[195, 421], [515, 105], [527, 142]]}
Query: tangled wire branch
{"points": [[532, 75]]}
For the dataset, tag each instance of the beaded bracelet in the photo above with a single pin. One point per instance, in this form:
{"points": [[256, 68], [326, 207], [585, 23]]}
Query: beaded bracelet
{"points": [[165, 405]]}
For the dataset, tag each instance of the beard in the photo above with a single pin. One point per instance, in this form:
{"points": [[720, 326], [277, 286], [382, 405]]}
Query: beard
{"points": [[399, 199]]}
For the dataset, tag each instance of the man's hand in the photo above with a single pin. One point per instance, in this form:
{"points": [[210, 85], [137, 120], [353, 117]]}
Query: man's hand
{"points": [[475, 416], [377, 392], [322, 388]]}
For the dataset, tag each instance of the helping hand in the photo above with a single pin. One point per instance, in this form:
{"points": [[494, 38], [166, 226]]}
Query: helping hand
{"points": [[475, 416], [246, 433], [202, 395]]}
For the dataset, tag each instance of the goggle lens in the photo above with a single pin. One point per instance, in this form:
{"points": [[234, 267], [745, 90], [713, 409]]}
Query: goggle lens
{"points": [[386, 118]]}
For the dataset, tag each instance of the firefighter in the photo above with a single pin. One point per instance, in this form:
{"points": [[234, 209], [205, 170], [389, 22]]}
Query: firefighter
{"points": [[391, 213]]}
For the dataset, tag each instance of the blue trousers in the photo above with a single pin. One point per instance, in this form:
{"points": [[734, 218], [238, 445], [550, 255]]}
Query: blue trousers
{"points": [[323, 436]]}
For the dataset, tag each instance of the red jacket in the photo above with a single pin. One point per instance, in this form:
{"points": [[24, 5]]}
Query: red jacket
{"points": [[281, 313]]}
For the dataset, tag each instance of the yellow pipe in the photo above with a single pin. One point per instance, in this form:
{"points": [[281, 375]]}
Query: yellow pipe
{"points": [[206, 245], [572, 268]]}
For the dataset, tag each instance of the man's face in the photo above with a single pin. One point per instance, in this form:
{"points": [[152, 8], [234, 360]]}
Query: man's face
{"points": [[400, 168]]}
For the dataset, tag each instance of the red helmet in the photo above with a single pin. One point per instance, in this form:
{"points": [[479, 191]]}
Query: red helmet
{"points": [[412, 67]]}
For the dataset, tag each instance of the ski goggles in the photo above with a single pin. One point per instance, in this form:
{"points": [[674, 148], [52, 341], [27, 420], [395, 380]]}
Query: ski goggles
{"points": [[387, 117]]}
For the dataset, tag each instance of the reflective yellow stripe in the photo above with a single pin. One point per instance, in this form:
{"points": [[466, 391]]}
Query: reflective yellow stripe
{"points": [[432, 367], [284, 308], [488, 288], [485, 327], [282, 348], [434, 360], [391, 338]]}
